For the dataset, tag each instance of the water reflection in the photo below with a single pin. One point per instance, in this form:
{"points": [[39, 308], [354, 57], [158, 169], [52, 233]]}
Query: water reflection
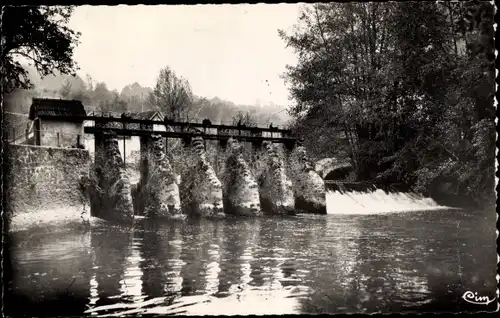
{"points": [[239, 238], [196, 236], [381, 283], [213, 259], [153, 252], [174, 263], [131, 284], [308, 264], [109, 262]]}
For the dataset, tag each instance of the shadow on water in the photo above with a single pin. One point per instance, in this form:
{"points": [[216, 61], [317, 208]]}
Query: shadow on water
{"points": [[419, 261], [46, 275]]}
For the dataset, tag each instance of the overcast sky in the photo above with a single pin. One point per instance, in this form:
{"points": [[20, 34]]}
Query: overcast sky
{"points": [[229, 51]]}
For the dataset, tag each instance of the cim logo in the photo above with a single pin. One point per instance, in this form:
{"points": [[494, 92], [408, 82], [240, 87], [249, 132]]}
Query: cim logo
{"points": [[474, 298]]}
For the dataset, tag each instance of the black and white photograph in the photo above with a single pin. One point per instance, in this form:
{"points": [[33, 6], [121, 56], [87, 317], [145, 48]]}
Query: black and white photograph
{"points": [[249, 159]]}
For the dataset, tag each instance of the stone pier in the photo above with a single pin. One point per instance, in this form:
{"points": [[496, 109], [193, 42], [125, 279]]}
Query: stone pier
{"points": [[241, 191], [158, 190], [309, 187], [201, 190], [276, 188], [114, 200], [186, 179], [43, 187]]}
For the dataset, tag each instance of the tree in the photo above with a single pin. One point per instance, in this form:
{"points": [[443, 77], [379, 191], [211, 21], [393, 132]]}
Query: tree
{"points": [[40, 35], [409, 84], [65, 90], [342, 75], [244, 119], [172, 95]]}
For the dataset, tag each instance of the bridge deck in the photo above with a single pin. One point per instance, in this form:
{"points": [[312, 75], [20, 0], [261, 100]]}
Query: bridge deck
{"points": [[128, 120], [255, 132], [140, 132]]}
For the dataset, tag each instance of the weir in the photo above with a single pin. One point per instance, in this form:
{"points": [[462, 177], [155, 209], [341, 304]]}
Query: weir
{"points": [[210, 171], [182, 171], [247, 180], [243, 173], [347, 198]]}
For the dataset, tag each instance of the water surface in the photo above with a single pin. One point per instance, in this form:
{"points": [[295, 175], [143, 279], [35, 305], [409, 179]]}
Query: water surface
{"points": [[412, 261]]}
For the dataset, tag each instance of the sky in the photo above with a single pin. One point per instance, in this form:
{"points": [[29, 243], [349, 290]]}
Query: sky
{"points": [[229, 51]]}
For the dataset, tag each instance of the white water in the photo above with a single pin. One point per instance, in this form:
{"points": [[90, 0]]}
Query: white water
{"points": [[377, 202]]}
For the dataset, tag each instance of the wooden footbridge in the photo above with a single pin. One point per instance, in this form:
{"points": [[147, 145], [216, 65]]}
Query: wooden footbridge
{"points": [[62, 123], [128, 126]]}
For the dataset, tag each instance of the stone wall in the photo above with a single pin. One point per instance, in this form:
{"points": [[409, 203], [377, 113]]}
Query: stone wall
{"points": [[43, 186], [61, 134]]}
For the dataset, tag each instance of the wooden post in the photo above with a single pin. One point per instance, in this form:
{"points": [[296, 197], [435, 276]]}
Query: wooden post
{"points": [[58, 141], [78, 142], [36, 133], [124, 152], [124, 142], [27, 131]]}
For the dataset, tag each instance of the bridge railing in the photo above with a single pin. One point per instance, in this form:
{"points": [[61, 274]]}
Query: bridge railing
{"points": [[197, 121], [109, 117], [127, 126]]}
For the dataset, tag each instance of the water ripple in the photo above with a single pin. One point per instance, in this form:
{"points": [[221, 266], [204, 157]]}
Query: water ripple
{"points": [[308, 264]]}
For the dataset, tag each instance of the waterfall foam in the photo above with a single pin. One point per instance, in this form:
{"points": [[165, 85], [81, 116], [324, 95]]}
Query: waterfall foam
{"points": [[377, 201]]}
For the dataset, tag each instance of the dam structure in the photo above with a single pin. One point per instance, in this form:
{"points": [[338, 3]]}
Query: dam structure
{"points": [[183, 169]]}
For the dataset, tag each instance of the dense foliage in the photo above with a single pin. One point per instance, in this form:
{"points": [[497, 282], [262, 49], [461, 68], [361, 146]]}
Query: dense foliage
{"points": [[409, 86], [38, 34]]}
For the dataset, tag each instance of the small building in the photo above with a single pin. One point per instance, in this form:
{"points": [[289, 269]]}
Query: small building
{"points": [[57, 122], [150, 115]]}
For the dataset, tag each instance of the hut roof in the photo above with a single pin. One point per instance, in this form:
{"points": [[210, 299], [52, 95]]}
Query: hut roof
{"points": [[148, 115], [56, 107]]}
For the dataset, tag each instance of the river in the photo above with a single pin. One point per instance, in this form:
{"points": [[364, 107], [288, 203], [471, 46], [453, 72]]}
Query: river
{"points": [[390, 262]]}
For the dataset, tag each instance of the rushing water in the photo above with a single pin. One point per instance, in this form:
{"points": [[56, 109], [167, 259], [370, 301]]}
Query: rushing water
{"points": [[336, 263], [376, 201]]}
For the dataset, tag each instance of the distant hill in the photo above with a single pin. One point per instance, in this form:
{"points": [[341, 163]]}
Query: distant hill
{"points": [[133, 97]]}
